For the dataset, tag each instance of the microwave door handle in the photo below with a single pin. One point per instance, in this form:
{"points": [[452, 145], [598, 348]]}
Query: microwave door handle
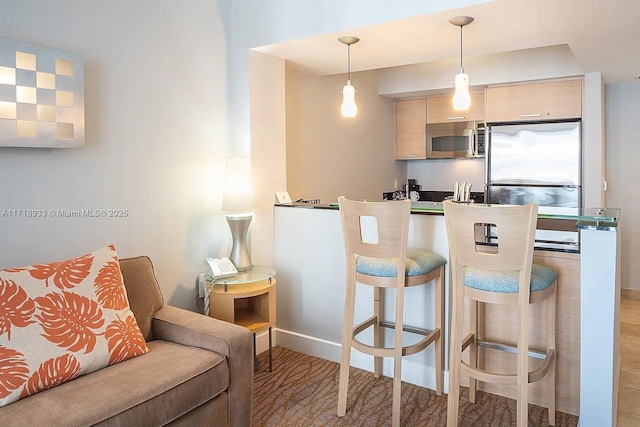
{"points": [[474, 142]]}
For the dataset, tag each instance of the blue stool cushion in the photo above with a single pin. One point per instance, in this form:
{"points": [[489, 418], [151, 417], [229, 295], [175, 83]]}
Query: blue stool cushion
{"points": [[416, 264], [507, 281]]}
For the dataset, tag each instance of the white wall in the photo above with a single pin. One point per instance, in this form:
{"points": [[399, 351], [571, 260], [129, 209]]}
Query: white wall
{"points": [[155, 116], [329, 155], [268, 148], [623, 154]]}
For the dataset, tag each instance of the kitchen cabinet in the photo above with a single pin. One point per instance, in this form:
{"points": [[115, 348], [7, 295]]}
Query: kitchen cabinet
{"points": [[410, 122], [440, 110], [498, 327], [553, 100]]}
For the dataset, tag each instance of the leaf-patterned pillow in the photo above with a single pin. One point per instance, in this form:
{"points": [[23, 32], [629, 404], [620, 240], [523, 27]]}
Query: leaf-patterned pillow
{"points": [[62, 320]]}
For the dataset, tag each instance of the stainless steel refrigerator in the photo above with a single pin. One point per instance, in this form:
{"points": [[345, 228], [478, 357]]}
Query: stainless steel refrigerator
{"points": [[534, 163]]}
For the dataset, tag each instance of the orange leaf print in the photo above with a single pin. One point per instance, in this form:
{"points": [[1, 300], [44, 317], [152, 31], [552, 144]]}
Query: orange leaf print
{"points": [[51, 373], [109, 288], [13, 270], [16, 308], [65, 274], [124, 340], [14, 370], [69, 320]]}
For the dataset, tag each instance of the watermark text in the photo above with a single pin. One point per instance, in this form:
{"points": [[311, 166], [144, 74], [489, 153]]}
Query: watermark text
{"points": [[63, 213]]}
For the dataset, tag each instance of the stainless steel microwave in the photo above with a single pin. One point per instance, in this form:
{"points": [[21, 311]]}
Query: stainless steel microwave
{"points": [[456, 140]]}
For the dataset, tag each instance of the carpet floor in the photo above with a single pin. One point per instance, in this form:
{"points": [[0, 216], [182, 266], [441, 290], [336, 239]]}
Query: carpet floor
{"points": [[303, 391]]}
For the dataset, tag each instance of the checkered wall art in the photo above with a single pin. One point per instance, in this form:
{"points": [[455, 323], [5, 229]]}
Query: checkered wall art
{"points": [[41, 96]]}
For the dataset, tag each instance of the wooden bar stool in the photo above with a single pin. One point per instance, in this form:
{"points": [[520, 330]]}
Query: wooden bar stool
{"points": [[502, 275], [375, 239]]}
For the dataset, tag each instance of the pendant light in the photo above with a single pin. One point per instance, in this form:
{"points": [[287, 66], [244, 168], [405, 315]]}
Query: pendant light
{"points": [[461, 97], [349, 107]]}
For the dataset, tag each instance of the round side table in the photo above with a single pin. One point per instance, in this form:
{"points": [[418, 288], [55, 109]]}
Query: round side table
{"points": [[247, 299]]}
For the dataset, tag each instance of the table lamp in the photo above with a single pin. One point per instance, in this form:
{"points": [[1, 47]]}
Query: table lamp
{"points": [[237, 204]]}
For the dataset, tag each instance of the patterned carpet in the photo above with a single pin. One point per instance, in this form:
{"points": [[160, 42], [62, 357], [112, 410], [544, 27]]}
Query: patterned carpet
{"points": [[302, 391]]}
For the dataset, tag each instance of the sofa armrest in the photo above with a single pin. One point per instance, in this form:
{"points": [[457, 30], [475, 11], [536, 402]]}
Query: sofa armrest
{"points": [[230, 340]]}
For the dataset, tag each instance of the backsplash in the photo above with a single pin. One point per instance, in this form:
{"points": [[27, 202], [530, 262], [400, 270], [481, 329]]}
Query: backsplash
{"points": [[441, 174]]}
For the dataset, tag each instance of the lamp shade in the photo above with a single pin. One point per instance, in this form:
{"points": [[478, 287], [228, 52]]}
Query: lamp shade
{"points": [[238, 194], [349, 107], [461, 97]]}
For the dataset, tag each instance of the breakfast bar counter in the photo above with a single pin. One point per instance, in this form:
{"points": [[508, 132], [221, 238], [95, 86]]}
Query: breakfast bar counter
{"points": [[309, 255]]}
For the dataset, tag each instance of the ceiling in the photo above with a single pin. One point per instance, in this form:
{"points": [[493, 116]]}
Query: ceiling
{"points": [[604, 36]]}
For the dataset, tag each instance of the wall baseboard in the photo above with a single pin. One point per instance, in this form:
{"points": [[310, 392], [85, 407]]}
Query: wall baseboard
{"points": [[262, 340], [420, 375], [630, 293]]}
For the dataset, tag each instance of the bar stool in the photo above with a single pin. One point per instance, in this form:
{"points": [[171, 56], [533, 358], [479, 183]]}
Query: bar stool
{"points": [[377, 256], [503, 276]]}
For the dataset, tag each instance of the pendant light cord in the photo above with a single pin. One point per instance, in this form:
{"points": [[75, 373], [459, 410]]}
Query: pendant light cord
{"points": [[349, 62], [461, 69]]}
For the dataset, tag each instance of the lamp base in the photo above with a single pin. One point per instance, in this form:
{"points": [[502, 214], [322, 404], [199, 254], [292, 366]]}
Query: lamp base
{"points": [[239, 225]]}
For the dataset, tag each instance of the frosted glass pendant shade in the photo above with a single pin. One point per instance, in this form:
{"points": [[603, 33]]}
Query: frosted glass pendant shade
{"points": [[349, 107], [461, 98]]}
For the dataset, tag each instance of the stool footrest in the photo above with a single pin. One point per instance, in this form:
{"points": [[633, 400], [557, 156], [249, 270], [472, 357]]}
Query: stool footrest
{"points": [[406, 328], [429, 337], [509, 348], [502, 378]]}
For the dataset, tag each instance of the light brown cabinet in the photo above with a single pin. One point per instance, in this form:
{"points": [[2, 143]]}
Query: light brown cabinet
{"points": [[499, 326], [410, 120], [440, 110], [534, 101]]}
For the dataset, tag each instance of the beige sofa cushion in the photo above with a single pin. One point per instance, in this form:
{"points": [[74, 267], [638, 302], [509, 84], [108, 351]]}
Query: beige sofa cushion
{"points": [[148, 390], [143, 291], [63, 319]]}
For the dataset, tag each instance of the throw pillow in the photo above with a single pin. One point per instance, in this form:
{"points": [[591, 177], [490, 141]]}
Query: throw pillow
{"points": [[62, 320]]}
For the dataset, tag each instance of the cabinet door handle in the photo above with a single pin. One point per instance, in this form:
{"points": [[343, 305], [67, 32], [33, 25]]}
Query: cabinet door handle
{"points": [[411, 155], [456, 118], [531, 115]]}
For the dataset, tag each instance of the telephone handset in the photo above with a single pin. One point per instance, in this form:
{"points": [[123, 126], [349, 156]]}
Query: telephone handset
{"points": [[220, 267]]}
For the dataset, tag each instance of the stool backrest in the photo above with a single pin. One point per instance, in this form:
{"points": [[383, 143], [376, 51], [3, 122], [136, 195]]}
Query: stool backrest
{"points": [[516, 226], [392, 220]]}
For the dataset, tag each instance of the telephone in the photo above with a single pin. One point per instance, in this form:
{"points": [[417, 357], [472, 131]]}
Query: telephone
{"points": [[220, 267]]}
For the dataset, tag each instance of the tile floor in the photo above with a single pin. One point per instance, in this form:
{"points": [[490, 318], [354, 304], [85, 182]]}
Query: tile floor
{"points": [[629, 389]]}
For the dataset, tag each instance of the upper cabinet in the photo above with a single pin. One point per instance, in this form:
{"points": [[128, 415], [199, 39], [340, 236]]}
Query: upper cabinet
{"points": [[535, 101], [410, 120], [440, 110]]}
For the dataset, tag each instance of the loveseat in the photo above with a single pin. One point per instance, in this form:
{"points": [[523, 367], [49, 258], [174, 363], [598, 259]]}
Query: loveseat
{"points": [[198, 372]]}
